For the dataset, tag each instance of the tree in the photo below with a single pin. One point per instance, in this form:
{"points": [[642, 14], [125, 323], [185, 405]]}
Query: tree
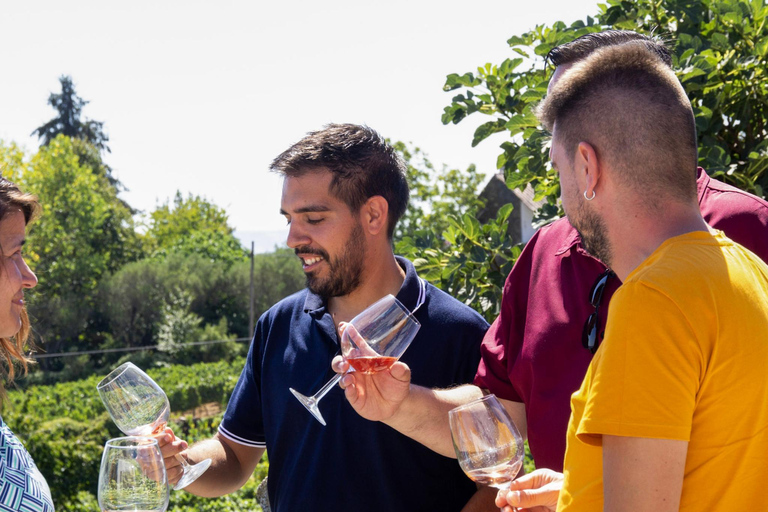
{"points": [[12, 164], [719, 53], [435, 193], [83, 233], [192, 226], [69, 106]]}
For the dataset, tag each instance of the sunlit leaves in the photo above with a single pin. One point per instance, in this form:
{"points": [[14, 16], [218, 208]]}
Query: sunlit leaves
{"points": [[719, 52]]}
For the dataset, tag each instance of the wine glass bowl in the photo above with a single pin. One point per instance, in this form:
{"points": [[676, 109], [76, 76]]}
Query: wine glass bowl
{"points": [[371, 342], [138, 406], [376, 338], [132, 476], [488, 446]]}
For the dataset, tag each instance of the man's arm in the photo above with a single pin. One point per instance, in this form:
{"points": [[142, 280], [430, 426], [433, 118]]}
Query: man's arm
{"points": [[642, 474], [232, 466], [417, 412]]}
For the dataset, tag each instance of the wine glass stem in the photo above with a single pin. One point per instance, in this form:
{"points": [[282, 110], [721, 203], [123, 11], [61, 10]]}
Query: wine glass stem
{"points": [[182, 461], [328, 385]]}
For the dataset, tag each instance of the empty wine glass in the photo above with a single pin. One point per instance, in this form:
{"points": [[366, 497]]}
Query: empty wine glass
{"points": [[132, 476], [139, 407], [371, 342], [487, 443]]}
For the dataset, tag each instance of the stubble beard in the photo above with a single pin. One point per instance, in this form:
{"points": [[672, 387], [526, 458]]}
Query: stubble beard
{"points": [[594, 238], [344, 272]]}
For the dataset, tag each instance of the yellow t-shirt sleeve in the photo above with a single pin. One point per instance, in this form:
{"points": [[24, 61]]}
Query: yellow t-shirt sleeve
{"points": [[645, 377]]}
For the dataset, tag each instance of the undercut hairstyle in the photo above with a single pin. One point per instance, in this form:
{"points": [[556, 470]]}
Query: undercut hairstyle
{"points": [[12, 349], [628, 105], [580, 47], [362, 163]]}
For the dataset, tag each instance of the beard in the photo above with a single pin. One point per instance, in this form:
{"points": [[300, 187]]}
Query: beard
{"points": [[344, 272], [592, 231]]}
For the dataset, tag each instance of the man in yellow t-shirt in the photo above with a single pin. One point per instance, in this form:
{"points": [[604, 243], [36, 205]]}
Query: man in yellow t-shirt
{"points": [[685, 359], [673, 412]]}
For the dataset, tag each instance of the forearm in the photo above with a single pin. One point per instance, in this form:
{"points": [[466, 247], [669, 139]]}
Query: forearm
{"points": [[423, 415], [230, 468]]}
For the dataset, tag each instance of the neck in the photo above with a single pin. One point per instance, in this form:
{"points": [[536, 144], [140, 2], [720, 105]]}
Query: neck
{"points": [[635, 236], [381, 276]]}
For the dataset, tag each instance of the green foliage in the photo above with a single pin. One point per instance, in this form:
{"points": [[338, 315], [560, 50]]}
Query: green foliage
{"points": [[12, 163], [178, 325], [192, 226], [474, 263], [65, 426], [719, 52], [83, 233], [132, 301], [435, 194]]}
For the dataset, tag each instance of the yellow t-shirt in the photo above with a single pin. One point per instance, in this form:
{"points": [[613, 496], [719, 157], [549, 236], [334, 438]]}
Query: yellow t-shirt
{"points": [[685, 357]]}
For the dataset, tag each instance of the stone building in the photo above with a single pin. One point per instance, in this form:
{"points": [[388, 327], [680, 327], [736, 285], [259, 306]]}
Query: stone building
{"points": [[496, 194]]}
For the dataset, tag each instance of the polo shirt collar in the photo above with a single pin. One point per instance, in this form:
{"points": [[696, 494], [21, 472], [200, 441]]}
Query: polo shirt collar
{"points": [[702, 181], [409, 293]]}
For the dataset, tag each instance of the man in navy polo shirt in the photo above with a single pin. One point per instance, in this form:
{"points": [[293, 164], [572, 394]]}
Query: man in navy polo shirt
{"points": [[343, 193]]}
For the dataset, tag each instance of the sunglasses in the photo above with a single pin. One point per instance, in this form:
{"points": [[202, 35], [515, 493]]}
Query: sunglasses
{"points": [[592, 335]]}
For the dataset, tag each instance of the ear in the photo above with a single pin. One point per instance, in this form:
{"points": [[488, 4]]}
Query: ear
{"points": [[374, 215], [588, 163]]}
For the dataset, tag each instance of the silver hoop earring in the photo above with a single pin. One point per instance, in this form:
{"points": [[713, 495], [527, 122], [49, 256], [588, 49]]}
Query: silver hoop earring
{"points": [[589, 198]]}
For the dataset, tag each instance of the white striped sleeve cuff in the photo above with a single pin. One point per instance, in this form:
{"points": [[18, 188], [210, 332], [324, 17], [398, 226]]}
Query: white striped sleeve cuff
{"points": [[240, 440]]}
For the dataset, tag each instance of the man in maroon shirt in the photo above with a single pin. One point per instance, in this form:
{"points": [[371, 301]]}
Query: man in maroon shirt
{"points": [[537, 351], [533, 353]]}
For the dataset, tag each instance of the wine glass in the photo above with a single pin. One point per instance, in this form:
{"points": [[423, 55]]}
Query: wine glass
{"points": [[139, 407], [132, 476], [487, 443], [371, 342]]}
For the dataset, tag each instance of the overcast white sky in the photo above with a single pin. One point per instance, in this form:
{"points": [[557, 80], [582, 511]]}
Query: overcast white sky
{"points": [[199, 96]]}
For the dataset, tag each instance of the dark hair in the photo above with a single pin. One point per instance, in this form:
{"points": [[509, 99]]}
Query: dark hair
{"points": [[12, 349], [582, 46], [362, 163], [627, 103]]}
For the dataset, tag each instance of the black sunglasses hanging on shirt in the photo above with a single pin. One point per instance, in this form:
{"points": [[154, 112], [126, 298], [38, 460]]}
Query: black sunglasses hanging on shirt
{"points": [[592, 334]]}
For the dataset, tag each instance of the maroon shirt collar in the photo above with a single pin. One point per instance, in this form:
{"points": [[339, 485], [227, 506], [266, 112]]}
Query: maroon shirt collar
{"points": [[702, 181]]}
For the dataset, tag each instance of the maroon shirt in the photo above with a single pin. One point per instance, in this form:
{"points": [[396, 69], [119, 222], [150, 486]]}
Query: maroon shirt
{"points": [[533, 353]]}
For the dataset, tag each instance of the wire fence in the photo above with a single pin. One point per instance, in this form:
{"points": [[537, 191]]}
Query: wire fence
{"points": [[131, 349]]}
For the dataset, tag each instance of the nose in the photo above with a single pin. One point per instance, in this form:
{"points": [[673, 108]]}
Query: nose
{"points": [[28, 278], [297, 237]]}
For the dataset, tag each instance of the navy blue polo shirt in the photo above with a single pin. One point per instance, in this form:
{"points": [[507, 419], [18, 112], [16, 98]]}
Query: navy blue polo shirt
{"points": [[353, 463]]}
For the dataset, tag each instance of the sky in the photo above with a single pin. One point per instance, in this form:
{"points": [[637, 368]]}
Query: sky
{"points": [[200, 96]]}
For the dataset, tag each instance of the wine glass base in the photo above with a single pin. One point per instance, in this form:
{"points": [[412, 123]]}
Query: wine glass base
{"points": [[310, 404], [192, 473]]}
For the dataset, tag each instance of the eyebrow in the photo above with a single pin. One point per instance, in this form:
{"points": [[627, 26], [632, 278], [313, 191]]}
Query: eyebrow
{"points": [[308, 209]]}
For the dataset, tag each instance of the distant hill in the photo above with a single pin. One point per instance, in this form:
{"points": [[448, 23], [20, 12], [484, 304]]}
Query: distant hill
{"points": [[264, 241]]}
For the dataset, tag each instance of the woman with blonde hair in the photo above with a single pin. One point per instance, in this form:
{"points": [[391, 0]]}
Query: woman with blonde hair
{"points": [[22, 486]]}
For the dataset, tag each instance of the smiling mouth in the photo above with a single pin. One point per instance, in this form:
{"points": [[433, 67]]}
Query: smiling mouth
{"points": [[310, 261]]}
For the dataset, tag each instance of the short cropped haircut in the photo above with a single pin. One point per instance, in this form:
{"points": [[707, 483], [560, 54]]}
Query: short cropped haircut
{"points": [[580, 47], [627, 103], [12, 349], [362, 163]]}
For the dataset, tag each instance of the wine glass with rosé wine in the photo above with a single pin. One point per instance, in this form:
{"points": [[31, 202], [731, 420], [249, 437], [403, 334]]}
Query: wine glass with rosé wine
{"points": [[487, 443], [371, 342], [139, 407], [132, 476]]}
